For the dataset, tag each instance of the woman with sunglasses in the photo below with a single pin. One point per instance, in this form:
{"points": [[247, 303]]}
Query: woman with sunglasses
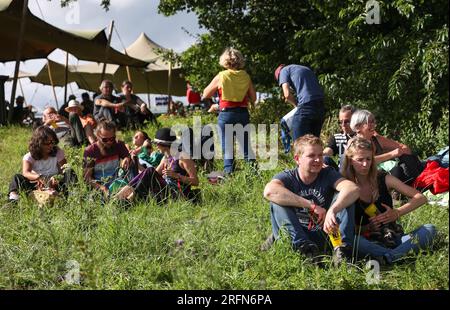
{"points": [[41, 165], [374, 208], [408, 167]]}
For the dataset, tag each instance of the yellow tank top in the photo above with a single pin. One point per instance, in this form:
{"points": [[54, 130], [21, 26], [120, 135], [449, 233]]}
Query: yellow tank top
{"points": [[234, 84]]}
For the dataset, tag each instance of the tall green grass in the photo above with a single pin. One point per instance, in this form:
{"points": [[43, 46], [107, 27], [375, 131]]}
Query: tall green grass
{"points": [[180, 245]]}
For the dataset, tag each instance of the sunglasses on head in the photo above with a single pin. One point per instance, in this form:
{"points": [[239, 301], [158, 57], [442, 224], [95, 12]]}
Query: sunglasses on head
{"points": [[345, 121], [111, 139]]}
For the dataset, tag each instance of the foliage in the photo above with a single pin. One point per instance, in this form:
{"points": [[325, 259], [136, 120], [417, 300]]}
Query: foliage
{"points": [[104, 3], [398, 69]]}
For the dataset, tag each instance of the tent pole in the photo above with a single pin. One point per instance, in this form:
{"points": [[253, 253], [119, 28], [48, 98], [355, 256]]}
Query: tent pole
{"points": [[51, 82], [169, 79], [148, 91], [66, 74], [128, 73], [21, 91], [111, 26], [169, 86], [71, 89], [18, 56]]}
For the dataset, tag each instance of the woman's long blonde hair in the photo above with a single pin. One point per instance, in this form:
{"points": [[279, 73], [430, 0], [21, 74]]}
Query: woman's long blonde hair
{"points": [[357, 144]]}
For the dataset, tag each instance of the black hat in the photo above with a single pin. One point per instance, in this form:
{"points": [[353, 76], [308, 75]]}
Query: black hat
{"points": [[164, 136]]}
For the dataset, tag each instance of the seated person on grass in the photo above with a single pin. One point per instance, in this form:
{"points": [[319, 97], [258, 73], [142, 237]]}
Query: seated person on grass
{"points": [[61, 126], [375, 216], [87, 123], [408, 167], [42, 166], [173, 177], [109, 107], [302, 203], [143, 150], [135, 109], [338, 141], [103, 158]]}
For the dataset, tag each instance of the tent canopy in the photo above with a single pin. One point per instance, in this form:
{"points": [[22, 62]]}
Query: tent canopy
{"points": [[87, 76], [147, 50], [41, 39], [84, 80], [152, 80]]}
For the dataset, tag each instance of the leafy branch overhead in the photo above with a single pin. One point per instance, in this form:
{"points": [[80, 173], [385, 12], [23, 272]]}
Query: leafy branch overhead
{"points": [[398, 68], [104, 3]]}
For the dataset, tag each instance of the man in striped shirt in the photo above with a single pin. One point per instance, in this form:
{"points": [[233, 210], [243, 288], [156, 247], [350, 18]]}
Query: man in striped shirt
{"points": [[337, 142]]}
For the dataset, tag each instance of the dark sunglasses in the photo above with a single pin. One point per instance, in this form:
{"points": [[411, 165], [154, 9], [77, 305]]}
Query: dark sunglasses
{"points": [[111, 139], [345, 121], [49, 143]]}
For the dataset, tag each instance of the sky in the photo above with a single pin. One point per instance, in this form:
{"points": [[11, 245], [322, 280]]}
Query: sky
{"points": [[131, 17]]}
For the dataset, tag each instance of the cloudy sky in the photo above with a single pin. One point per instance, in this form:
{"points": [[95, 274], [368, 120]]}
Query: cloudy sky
{"points": [[131, 17]]}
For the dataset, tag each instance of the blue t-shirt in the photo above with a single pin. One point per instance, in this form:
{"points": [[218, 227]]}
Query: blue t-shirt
{"points": [[303, 81], [321, 191]]}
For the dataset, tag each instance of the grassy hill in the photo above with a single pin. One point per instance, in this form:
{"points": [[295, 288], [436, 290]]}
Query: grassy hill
{"points": [[212, 245]]}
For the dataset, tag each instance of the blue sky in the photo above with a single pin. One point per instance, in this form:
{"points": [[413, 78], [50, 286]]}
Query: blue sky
{"points": [[131, 17]]}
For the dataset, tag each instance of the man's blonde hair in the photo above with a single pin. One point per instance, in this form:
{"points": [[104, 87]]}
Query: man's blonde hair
{"points": [[232, 59], [300, 143]]}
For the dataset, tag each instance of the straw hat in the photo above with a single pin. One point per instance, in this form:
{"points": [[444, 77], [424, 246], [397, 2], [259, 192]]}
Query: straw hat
{"points": [[73, 104]]}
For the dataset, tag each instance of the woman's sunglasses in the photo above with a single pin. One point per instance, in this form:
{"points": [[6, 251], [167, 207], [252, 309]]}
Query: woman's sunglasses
{"points": [[49, 142]]}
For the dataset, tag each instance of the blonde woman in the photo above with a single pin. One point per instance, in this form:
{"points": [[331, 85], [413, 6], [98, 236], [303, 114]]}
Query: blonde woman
{"points": [[235, 90], [374, 208]]}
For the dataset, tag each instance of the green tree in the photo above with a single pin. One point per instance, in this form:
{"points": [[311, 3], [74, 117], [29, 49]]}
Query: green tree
{"points": [[398, 69]]}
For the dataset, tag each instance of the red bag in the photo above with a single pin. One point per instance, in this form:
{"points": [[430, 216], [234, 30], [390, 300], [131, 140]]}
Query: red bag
{"points": [[433, 177]]}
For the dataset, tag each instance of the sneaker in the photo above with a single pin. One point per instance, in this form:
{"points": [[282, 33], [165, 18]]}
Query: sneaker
{"points": [[342, 253], [268, 243], [13, 197]]}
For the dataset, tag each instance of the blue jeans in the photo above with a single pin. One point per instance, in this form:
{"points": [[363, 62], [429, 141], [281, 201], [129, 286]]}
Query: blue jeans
{"points": [[306, 121], [299, 234], [421, 238], [233, 117]]}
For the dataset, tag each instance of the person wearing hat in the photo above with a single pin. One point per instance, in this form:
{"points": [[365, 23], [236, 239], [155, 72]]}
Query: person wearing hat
{"points": [[82, 126], [310, 114], [173, 177], [62, 109]]}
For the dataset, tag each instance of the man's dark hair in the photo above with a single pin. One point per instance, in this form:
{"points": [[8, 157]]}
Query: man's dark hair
{"points": [[107, 125]]}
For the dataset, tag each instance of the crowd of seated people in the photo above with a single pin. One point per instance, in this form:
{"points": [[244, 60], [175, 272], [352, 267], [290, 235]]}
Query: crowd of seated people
{"points": [[343, 207]]}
